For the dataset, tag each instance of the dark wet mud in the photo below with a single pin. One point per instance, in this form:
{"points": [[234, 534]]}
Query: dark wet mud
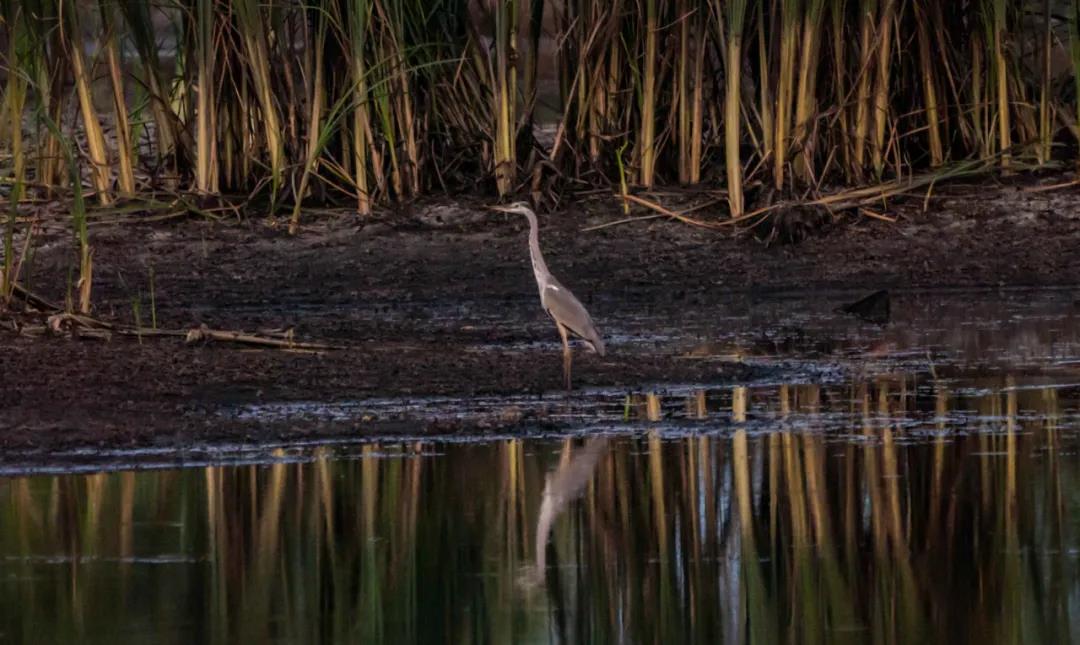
{"points": [[443, 335]]}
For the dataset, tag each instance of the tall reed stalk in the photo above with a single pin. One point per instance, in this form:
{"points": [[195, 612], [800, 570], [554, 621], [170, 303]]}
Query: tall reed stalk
{"points": [[806, 99], [125, 150], [254, 32], [140, 25], [996, 10], [785, 86], [358, 17], [646, 145], [736, 17], [505, 95], [882, 85], [1046, 133], [315, 125], [1074, 54], [17, 61], [929, 84], [82, 75], [206, 154], [867, 38]]}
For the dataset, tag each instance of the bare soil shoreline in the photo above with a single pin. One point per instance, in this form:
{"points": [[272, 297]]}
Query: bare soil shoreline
{"points": [[440, 302]]}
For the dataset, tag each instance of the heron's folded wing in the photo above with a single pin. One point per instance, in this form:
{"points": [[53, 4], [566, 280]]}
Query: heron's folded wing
{"points": [[568, 310]]}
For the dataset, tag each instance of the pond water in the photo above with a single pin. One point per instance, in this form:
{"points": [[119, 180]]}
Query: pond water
{"points": [[922, 488]]}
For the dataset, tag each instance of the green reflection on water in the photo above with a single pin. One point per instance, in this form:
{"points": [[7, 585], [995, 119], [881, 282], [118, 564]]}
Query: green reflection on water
{"points": [[886, 510]]}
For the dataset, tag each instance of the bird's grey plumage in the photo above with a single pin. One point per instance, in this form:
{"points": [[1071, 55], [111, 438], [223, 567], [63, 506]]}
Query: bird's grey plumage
{"points": [[561, 305], [558, 301]]}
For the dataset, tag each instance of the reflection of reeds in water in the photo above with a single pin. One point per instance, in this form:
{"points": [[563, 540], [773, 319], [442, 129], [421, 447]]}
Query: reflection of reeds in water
{"points": [[787, 535], [801, 578]]}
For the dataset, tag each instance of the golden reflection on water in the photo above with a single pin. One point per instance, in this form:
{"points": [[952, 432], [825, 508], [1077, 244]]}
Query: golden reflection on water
{"points": [[888, 510]]}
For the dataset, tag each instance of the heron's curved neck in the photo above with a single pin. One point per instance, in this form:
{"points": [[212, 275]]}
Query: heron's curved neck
{"points": [[539, 266]]}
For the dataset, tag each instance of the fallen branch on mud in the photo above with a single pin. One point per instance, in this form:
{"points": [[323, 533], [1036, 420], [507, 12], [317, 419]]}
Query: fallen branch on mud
{"points": [[1049, 187], [204, 333], [850, 199], [32, 299], [664, 211], [83, 326], [878, 216], [620, 222]]}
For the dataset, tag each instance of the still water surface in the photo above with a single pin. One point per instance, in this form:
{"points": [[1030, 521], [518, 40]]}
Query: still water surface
{"points": [[928, 496]]}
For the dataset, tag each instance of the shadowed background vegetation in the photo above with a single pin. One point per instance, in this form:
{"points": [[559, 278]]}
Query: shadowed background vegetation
{"points": [[376, 101], [362, 103]]}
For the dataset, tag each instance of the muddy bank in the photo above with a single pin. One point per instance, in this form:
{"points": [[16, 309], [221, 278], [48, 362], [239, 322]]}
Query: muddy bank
{"points": [[440, 302]]}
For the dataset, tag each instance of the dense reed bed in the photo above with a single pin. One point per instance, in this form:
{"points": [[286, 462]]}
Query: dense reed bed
{"points": [[367, 103]]}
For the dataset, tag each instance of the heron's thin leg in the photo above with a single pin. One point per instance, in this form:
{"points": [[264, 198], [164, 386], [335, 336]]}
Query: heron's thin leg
{"points": [[567, 357]]}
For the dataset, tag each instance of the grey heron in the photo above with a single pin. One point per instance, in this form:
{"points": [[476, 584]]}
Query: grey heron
{"points": [[569, 314]]}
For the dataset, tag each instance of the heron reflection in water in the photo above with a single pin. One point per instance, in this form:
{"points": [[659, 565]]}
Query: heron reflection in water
{"points": [[564, 485]]}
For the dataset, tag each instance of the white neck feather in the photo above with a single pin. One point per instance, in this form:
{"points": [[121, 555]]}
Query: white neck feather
{"points": [[540, 269]]}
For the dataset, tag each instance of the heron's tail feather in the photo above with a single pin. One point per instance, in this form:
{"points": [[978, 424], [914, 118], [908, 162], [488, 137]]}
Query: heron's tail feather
{"points": [[597, 344]]}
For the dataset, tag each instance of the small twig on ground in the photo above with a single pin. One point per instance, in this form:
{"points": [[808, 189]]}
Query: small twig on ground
{"points": [[926, 199], [204, 333], [661, 212], [88, 326], [144, 219], [857, 198], [1049, 187], [56, 322], [869, 213], [627, 220], [33, 299], [664, 211]]}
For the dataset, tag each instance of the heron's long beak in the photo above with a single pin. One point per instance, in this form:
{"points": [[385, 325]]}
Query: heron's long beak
{"points": [[501, 209]]}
